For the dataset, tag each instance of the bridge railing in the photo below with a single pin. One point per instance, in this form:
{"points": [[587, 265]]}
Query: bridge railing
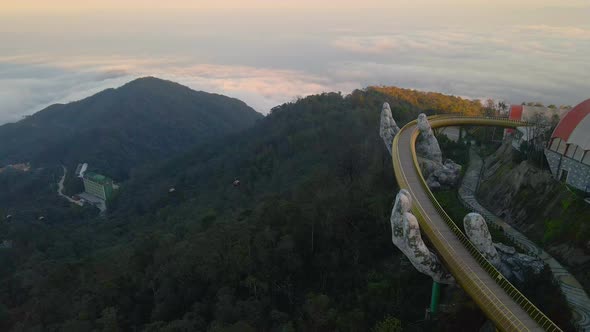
{"points": [[516, 123], [512, 291]]}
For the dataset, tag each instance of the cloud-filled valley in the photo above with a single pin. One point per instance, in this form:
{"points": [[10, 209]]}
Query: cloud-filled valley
{"points": [[522, 61]]}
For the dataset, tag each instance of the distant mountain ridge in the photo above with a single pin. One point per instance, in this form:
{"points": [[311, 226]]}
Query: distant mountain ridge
{"points": [[144, 120]]}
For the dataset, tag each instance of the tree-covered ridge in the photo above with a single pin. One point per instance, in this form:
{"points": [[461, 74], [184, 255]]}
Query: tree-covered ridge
{"points": [[119, 129], [291, 138], [432, 101], [302, 244]]}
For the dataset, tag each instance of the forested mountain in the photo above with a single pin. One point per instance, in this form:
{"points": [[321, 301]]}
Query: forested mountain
{"points": [[330, 131], [120, 129], [302, 244], [431, 100]]}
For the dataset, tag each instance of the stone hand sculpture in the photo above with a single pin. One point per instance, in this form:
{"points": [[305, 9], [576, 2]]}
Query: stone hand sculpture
{"points": [[388, 128], [406, 237], [505, 258], [405, 230], [427, 145], [438, 174], [477, 231]]}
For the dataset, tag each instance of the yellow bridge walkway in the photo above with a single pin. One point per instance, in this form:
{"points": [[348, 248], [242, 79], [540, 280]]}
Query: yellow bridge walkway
{"points": [[496, 297]]}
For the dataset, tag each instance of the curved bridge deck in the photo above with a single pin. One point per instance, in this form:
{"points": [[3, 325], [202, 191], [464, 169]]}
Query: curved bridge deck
{"points": [[496, 297]]}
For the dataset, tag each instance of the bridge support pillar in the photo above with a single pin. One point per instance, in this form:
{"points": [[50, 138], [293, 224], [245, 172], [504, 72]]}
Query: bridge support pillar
{"points": [[434, 298]]}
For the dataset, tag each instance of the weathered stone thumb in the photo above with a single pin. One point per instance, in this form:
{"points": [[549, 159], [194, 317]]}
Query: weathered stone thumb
{"points": [[388, 128], [477, 231]]}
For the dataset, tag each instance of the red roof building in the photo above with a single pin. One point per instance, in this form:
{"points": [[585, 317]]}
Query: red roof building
{"points": [[574, 128], [515, 112], [568, 152]]}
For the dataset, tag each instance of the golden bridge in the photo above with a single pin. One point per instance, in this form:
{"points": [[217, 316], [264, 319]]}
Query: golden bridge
{"points": [[500, 301]]}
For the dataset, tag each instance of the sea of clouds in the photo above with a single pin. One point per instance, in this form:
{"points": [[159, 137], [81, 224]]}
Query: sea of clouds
{"points": [[513, 61]]}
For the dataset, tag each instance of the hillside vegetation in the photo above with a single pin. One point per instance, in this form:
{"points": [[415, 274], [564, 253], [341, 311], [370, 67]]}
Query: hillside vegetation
{"points": [[432, 100], [118, 130], [302, 244], [28, 196]]}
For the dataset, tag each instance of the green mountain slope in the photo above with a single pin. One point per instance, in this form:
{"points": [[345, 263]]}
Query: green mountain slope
{"points": [[120, 129], [302, 244]]}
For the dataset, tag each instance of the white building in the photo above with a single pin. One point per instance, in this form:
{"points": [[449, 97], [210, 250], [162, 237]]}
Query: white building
{"points": [[568, 151]]}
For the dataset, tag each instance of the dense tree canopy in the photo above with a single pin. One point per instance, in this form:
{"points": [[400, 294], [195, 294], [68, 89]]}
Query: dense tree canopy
{"points": [[302, 244], [119, 129]]}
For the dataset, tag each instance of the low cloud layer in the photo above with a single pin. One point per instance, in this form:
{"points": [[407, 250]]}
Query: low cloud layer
{"points": [[515, 62], [27, 87], [365, 45], [569, 32]]}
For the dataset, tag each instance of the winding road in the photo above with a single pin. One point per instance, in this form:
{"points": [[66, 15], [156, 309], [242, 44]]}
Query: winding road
{"points": [[60, 188], [496, 297]]}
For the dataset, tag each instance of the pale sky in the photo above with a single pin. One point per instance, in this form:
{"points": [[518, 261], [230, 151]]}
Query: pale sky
{"points": [[76, 5], [268, 52]]}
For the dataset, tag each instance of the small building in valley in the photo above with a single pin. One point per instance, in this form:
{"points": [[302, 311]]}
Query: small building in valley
{"points": [[81, 169], [98, 185], [568, 151]]}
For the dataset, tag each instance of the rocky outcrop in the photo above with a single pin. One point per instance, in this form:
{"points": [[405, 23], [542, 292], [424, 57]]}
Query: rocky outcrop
{"points": [[477, 231], [518, 192], [406, 236], [438, 174], [542, 209], [523, 194], [514, 264], [510, 263], [388, 128], [570, 255]]}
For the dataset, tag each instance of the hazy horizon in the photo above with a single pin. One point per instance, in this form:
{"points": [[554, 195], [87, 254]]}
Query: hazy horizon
{"points": [[268, 52]]}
